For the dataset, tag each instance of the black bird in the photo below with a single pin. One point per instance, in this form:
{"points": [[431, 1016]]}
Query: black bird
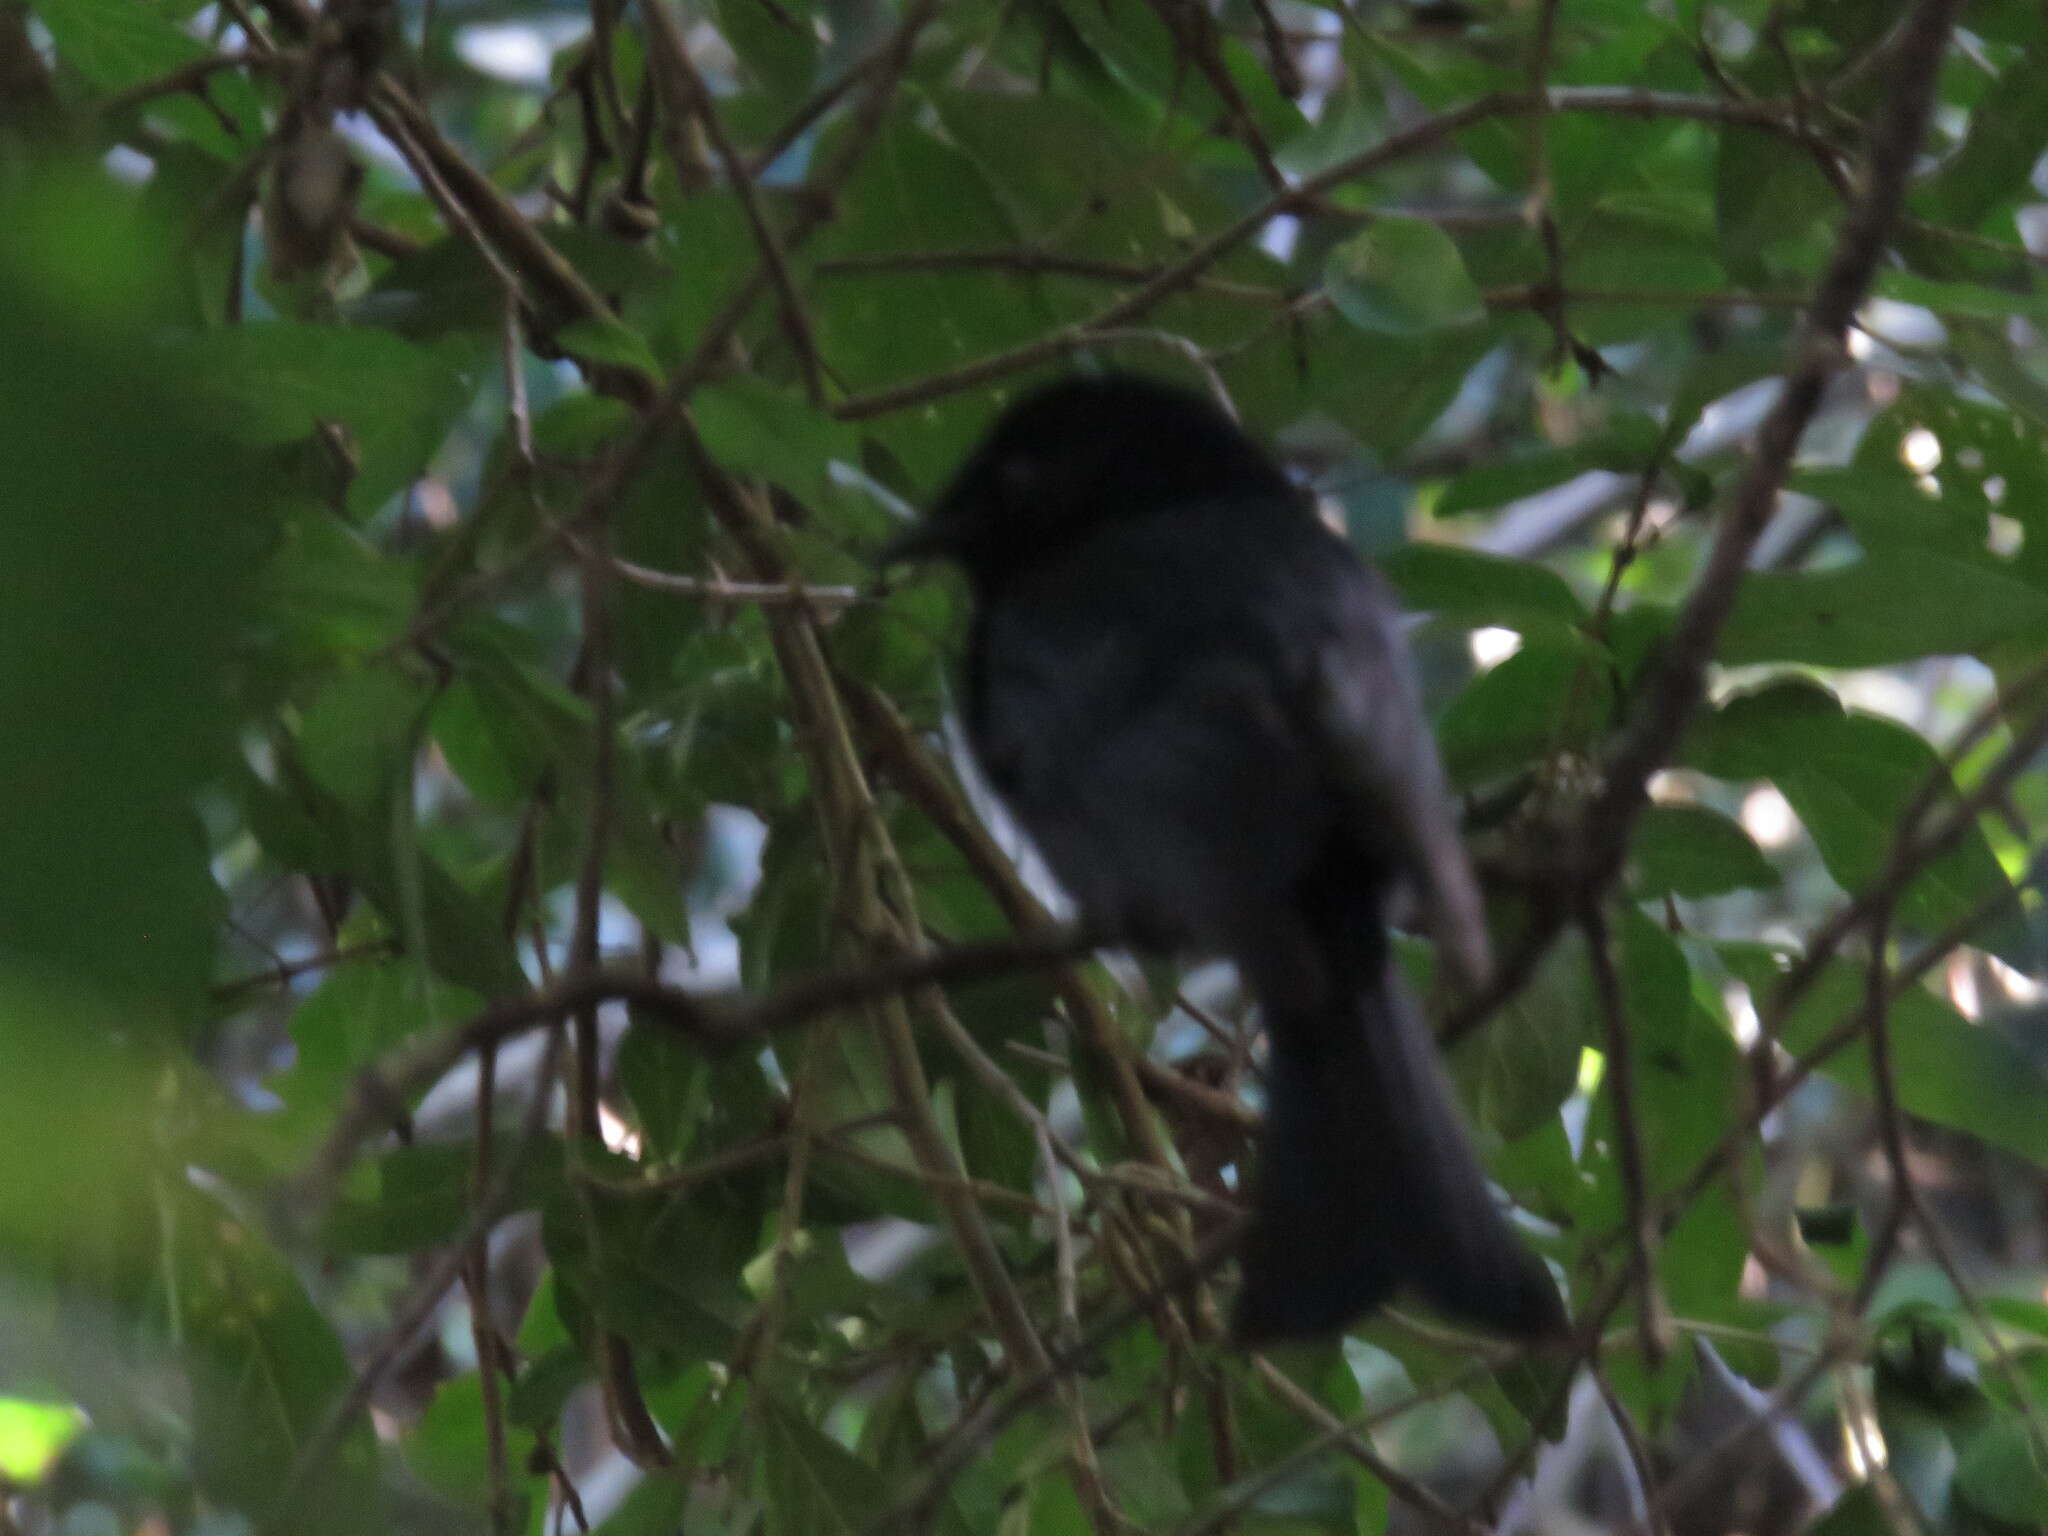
{"points": [[1195, 700]]}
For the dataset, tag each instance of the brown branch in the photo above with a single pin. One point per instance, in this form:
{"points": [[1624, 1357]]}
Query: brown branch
{"points": [[284, 972], [1427, 134], [821, 101], [559, 293], [716, 1022], [1195, 36], [1679, 680], [1550, 292], [1424, 135], [1906, 1203], [1676, 687], [1638, 1454]]}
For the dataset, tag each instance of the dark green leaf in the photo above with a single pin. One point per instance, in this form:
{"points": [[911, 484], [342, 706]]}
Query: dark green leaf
{"points": [[1691, 851], [274, 383], [450, 1445], [606, 340], [1851, 778], [2008, 131], [775, 44], [1402, 275], [1949, 1071], [266, 1372], [1886, 506], [115, 44], [753, 428], [1884, 608], [1469, 587], [1553, 695], [1767, 193], [815, 1486], [426, 1193], [1626, 446], [1524, 1063], [2000, 1474]]}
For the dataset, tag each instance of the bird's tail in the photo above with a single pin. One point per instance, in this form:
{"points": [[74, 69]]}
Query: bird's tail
{"points": [[1367, 1184]]}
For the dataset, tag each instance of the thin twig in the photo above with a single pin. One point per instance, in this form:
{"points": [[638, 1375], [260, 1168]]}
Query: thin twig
{"points": [[720, 589], [1424, 135], [419, 1308], [1628, 1131], [1679, 681], [686, 96], [1359, 1449]]}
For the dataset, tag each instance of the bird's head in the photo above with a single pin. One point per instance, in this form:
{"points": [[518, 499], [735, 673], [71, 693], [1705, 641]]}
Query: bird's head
{"points": [[1074, 455]]}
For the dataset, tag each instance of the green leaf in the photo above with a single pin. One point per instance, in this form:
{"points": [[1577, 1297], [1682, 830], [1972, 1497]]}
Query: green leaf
{"points": [[33, 1435], [360, 1010], [131, 531], [274, 383], [117, 43], [416, 896], [658, 1267], [1404, 276], [1767, 194], [1518, 1069], [753, 428], [1687, 1084], [778, 46], [330, 594], [1385, 390], [1472, 588], [1691, 851], [1885, 506], [449, 1447], [1856, 1513], [2008, 131], [1887, 607], [607, 340], [1555, 694], [1850, 778], [426, 1193], [1685, 1062], [2000, 1474], [545, 1386], [657, 1506], [1625, 446], [266, 1370], [668, 1081], [1959, 300], [357, 735], [815, 1485], [1949, 1071]]}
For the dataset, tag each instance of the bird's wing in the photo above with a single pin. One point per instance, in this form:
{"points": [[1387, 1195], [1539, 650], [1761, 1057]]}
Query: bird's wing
{"points": [[1365, 714]]}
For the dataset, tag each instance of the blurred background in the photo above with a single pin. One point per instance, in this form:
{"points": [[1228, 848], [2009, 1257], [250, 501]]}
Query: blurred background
{"points": [[443, 449]]}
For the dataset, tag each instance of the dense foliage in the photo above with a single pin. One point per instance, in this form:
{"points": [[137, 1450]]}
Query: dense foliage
{"points": [[470, 815]]}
